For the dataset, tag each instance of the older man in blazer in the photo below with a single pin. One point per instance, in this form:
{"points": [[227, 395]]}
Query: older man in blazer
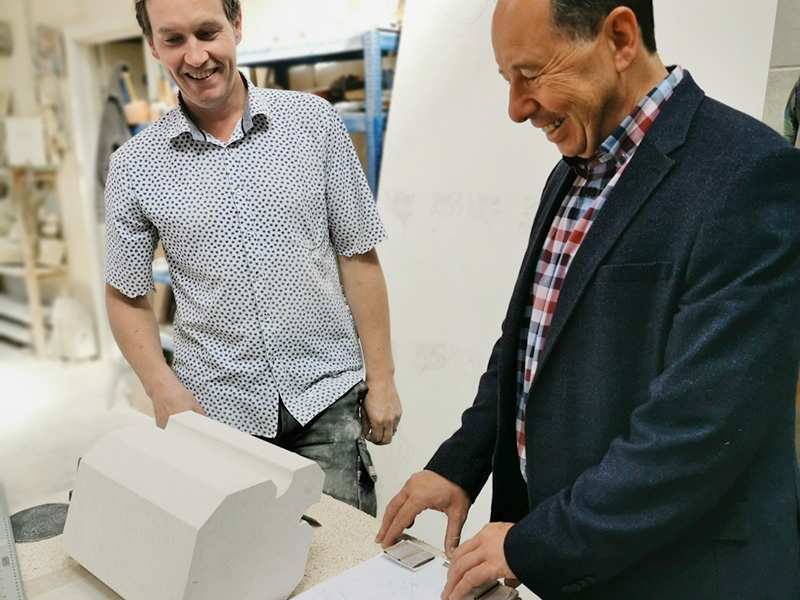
{"points": [[637, 412]]}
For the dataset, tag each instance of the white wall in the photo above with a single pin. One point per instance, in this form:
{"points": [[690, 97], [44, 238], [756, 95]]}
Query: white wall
{"points": [[459, 188], [293, 22]]}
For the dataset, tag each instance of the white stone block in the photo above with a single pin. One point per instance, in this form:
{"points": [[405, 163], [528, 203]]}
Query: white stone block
{"points": [[198, 511]]}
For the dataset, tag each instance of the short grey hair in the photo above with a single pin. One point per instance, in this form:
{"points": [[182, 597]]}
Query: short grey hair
{"points": [[580, 20]]}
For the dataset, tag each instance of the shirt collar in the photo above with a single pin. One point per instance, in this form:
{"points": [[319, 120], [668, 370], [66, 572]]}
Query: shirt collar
{"points": [[623, 142], [178, 121]]}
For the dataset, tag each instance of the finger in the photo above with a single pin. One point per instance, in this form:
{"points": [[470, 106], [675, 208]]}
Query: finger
{"points": [[402, 520], [459, 563], [471, 578], [365, 426], [512, 582], [452, 535], [390, 513], [161, 419], [387, 434], [378, 433], [465, 573]]}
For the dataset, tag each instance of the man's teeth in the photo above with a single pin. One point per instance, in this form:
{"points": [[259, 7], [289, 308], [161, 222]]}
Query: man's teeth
{"points": [[200, 76], [552, 126]]}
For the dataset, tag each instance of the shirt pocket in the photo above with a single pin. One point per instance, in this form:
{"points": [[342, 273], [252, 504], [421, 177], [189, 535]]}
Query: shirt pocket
{"points": [[634, 272], [307, 222]]}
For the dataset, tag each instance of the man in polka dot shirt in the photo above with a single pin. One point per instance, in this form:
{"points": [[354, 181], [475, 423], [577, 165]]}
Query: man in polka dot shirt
{"points": [[269, 229]]}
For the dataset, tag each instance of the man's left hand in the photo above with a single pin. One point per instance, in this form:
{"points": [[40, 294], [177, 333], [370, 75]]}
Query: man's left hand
{"points": [[477, 560], [381, 411]]}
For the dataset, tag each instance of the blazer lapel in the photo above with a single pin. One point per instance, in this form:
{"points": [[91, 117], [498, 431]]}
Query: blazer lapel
{"points": [[555, 189], [647, 169]]}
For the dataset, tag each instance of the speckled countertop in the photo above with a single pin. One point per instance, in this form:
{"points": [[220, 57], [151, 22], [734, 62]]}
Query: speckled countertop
{"points": [[345, 539]]}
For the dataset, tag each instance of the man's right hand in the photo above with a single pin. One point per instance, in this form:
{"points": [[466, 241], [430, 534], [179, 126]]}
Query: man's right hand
{"points": [[424, 490], [172, 399]]}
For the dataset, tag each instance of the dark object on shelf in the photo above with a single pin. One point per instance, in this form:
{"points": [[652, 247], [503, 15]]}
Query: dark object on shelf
{"points": [[341, 86]]}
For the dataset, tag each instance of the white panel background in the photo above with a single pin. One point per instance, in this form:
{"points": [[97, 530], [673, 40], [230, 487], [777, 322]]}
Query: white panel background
{"points": [[459, 189]]}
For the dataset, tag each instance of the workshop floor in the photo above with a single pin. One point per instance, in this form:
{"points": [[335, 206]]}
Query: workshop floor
{"points": [[51, 412]]}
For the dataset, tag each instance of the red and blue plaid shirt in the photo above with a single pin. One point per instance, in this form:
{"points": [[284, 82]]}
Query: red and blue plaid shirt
{"points": [[595, 179]]}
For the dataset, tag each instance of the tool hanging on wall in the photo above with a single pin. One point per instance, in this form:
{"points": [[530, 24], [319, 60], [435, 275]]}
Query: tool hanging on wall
{"points": [[137, 112]]}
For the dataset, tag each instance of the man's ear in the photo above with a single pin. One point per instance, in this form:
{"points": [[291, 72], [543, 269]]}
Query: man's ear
{"points": [[621, 31], [153, 50], [237, 26]]}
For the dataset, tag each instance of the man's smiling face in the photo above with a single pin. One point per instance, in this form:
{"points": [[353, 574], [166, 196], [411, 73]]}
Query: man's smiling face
{"points": [[196, 43], [566, 89]]}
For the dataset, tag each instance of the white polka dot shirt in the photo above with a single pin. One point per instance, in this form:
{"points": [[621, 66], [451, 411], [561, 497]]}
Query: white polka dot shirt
{"points": [[251, 229]]}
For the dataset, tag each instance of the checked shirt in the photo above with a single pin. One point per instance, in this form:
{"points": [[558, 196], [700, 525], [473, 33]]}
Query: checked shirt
{"points": [[595, 179]]}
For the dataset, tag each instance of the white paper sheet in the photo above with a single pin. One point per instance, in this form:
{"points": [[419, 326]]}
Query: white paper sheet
{"points": [[381, 577]]}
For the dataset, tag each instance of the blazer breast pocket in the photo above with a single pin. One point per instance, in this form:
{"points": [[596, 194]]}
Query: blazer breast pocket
{"points": [[633, 272]]}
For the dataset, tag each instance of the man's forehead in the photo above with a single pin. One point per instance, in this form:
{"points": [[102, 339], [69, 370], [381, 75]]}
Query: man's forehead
{"points": [[168, 15]]}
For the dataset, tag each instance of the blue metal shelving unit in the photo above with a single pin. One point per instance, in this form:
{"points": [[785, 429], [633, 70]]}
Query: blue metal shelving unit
{"points": [[370, 46]]}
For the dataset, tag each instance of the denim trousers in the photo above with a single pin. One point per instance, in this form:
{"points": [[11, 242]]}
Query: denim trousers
{"points": [[334, 440]]}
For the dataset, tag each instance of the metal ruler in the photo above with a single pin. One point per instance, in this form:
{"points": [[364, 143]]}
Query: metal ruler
{"points": [[10, 579]]}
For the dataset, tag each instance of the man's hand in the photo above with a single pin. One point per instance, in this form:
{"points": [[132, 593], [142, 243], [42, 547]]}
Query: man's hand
{"points": [[424, 490], [477, 560], [381, 411], [172, 399]]}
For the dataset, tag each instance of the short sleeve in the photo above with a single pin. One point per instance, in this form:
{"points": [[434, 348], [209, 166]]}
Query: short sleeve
{"points": [[353, 219], [131, 237]]}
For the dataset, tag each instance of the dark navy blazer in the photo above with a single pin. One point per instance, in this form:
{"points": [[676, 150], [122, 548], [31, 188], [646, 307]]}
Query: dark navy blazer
{"points": [[660, 429]]}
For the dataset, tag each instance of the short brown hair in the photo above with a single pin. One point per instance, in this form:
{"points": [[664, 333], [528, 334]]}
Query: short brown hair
{"points": [[231, 8]]}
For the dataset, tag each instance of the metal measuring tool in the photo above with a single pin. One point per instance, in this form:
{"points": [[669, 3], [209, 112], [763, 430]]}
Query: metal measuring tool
{"points": [[10, 579]]}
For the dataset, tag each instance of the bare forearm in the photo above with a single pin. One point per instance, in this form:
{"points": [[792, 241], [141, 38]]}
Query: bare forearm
{"points": [[135, 330], [365, 289], [134, 326]]}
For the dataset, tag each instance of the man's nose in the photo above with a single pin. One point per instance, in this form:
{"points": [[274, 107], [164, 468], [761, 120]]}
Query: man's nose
{"points": [[521, 104], [196, 53]]}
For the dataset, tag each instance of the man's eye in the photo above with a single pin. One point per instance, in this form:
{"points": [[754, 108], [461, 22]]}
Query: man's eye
{"points": [[172, 40], [207, 35]]}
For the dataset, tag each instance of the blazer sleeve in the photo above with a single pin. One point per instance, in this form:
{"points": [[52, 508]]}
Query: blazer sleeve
{"points": [[730, 367]]}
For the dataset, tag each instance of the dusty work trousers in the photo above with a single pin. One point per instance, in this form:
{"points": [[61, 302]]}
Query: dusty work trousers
{"points": [[334, 440]]}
